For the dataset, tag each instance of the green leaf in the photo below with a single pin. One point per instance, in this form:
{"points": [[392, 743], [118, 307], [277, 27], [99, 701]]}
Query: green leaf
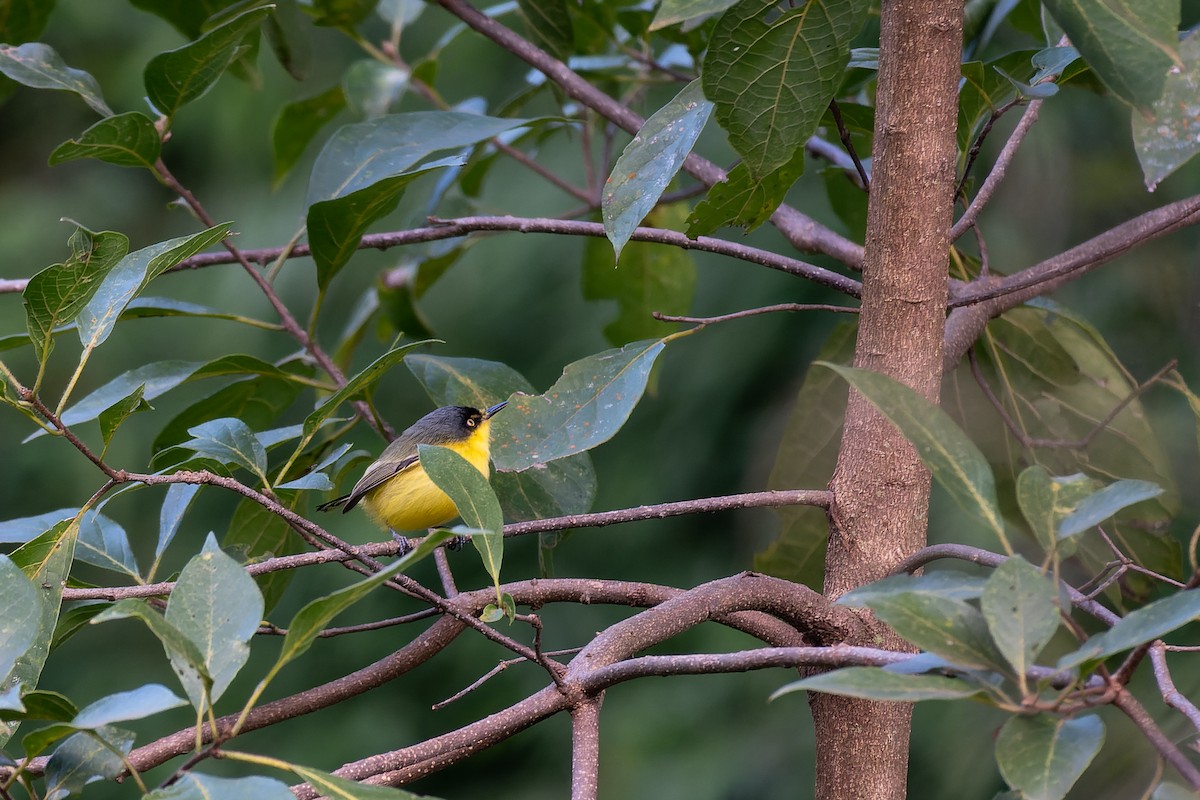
{"points": [[218, 607], [474, 499], [256, 401], [1146, 624], [771, 73], [24, 20], [372, 89], [945, 583], [131, 274], [873, 683], [20, 615], [139, 703], [127, 140], [955, 461], [103, 543], [21, 529], [985, 91], [1045, 500], [742, 200], [550, 23], [177, 77], [179, 496], [288, 34], [57, 294], [565, 486], [647, 278], [189, 17], [297, 124], [342, 789], [806, 457], [341, 13], [38, 66], [335, 227], [1043, 756], [1131, 48], [1097, 507], [41, 704], [197, 786], [86, 757], [1020, 604], [673, 11], [46, 562], [229, 441], [355, 385], [312, 619], [584, 408], [649, 163], [946, 627], [111, 418], [186, 658]]}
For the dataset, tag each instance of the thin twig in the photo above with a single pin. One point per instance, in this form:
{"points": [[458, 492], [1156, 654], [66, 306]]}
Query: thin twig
{"points": [[751, 312], [1129, 705], [1171, 696], [977, 145], [999, 169], [848, 143]]}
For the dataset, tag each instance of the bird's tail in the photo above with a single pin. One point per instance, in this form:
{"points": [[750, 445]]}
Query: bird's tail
{"points": [[334, 503]]}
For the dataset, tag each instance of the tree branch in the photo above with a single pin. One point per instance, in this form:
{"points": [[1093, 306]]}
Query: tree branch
{"points": [[585, 749], [999, 170], [801, 231]]}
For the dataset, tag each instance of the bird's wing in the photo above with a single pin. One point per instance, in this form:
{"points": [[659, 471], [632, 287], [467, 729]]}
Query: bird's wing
{"points": [[377, 474]]}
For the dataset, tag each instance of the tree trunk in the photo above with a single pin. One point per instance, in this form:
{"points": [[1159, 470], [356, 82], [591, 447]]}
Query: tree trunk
{"points": [[880, 487]]}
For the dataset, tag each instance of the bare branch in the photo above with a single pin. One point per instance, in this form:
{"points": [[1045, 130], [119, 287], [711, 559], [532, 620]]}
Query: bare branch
{"points": [[848, 143], [1129, 705], [752, 312]]}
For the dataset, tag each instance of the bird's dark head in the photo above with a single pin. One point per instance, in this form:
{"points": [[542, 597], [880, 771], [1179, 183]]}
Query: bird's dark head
{"points": [[452, 423]]}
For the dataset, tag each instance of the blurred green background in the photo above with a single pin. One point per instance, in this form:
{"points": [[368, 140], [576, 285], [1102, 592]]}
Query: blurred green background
{"points": [[711, 425]]}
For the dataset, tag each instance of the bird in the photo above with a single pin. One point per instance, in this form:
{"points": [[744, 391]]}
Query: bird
{"points": [[395, 489]]}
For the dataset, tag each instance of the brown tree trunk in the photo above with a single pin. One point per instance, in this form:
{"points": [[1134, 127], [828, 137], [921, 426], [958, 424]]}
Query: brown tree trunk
{"points": [[880, 487]]}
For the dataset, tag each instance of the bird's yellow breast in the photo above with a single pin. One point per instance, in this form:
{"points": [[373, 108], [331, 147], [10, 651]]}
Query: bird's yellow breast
{"points": [[410, 501]]}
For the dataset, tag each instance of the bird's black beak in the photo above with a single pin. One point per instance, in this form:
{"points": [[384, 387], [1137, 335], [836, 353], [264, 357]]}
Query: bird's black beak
{"points": [[491, 411]]}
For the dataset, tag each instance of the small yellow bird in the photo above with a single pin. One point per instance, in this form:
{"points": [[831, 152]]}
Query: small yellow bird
{"points": [[396, 491]]}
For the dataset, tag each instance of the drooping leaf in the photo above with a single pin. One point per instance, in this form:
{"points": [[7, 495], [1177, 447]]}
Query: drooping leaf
{"points": [[341, 13], [177, 77], [335, 787], [1045, 500], [1146, 624], [1020, 604], [649, 163], [1099, 506], [131, 274], [25, 20], [111, 418], [945, 583], [673, 11], [38, 66], [127, 140], [1043, 756], [564, 486], [474, 498], [873, 683], [955, 461], [646, 278], [218, 607], [20, 615], [297, 124], [46, 562], [229, 441], [86, 757], [1131, 48], [194, 785], [1170, 136], [138, 703], [335, 227], [175, 504], [584, 408], [771, 72], [743, 200], [104, 543], [57, 294], [550, 23], [186, 658], [944, 626]]}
